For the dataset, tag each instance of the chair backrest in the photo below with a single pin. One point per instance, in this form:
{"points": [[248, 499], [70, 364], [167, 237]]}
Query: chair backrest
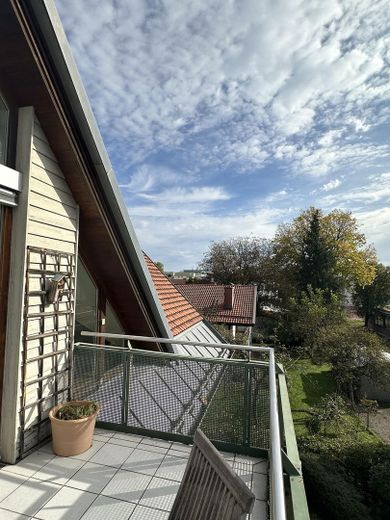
{"points": [[210, 490]]}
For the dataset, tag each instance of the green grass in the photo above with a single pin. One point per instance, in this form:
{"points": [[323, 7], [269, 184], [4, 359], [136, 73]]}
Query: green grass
{"points": [[307, 383]]}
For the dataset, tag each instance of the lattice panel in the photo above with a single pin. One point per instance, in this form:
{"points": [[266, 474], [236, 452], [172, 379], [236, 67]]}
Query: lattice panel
{"points": [[47, 342]]}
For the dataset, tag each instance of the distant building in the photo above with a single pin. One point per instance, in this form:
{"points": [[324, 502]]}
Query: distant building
{"points": [[233, 306]]}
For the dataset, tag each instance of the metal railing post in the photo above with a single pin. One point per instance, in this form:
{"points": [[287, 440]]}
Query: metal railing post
{"points": [[277, 484], [126, 383]]}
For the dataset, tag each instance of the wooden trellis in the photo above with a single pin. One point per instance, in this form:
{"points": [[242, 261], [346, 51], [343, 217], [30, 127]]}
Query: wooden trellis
{"points": [[47, 343]]}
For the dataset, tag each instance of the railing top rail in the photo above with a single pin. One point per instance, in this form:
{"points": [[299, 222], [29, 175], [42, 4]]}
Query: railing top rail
{"points": [[147, 339]]}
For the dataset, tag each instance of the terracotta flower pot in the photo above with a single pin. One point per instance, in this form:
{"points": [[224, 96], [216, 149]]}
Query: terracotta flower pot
{"points": [[72, 437]]}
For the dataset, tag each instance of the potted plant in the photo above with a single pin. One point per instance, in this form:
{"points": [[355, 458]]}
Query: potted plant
{"points": [[72, 426]]}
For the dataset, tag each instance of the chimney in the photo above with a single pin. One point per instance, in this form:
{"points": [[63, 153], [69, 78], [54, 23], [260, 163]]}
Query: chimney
{"points": [[228, 300]]}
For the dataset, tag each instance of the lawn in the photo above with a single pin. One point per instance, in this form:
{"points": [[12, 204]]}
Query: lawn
{"points": [[307, 383]]}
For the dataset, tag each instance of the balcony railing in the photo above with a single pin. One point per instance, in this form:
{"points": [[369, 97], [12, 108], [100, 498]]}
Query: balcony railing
{"points": [[234, 401]]}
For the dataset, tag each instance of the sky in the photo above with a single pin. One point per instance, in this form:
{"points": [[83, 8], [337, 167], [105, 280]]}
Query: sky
{"points": [[226, 118]]}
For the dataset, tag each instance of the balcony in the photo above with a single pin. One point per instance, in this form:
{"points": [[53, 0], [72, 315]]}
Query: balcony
{"points": [[151, 404]]}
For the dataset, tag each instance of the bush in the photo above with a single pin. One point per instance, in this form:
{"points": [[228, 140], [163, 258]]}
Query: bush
{"points": [[328, 411], [330, 490], [379, 485]]}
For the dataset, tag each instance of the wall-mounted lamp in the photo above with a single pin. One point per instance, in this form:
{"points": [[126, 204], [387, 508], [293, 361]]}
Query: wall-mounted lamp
{"points": [[55, 287]]}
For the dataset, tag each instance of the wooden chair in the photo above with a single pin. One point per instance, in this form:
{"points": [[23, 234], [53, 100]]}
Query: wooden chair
{"points": [[210, 490]]}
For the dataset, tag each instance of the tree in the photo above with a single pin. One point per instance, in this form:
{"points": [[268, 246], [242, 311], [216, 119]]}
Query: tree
{"points": [[307, 315], [240, 260], [367, 298], [316, 263], [353, 352], [160, 266], [348, 260]]}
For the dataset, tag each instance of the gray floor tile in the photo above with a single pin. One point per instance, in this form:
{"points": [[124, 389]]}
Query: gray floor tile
{"points": [[172, 468], [112, 455], [30, 497], [10, 515], [156, 442], [260, 511], [67, 504], [59, 470], [260, 486], [9, 482], [261, 467], [160, 494], [105, 508], [126, 485], [92, 477], [146, 513], [31, 464], [123, 442], [128, 436], [143, 461]]}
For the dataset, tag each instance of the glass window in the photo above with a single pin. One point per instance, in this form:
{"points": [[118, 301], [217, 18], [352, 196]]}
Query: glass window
{"points": [[113, 326], [3, 130], [86, 304]]}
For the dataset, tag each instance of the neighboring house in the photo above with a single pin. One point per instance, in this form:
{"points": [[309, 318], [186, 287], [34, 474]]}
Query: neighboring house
{"points": [[233, 306], [184, 320]]}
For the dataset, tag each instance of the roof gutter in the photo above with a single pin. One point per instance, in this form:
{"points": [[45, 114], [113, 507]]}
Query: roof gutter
{"points": [[57, 47]]}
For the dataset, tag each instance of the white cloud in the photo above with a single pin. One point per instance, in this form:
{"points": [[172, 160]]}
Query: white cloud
{"points": [[200, 195], [331, 185], [229, 83], [376, 189], [189, 234]]}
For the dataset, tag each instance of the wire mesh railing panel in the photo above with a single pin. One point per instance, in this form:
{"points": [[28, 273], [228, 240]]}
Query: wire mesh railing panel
{"points": [[98, 375], [172, 395], [239, 409]]}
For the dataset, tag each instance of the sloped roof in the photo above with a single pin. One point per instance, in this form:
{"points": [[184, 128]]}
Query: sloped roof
{"points": [[209, 300], [181, 315]]}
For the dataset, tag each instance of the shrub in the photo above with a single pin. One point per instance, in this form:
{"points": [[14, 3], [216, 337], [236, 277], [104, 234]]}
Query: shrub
{"points": [[330, 490], [328, 411], [379, 485]]}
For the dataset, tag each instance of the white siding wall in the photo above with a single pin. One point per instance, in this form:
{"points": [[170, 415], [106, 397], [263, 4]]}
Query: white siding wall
{"points": [[47, 219]]}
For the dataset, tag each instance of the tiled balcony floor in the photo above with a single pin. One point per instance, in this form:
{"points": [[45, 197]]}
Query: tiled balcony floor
{"points": [[122, 476]]}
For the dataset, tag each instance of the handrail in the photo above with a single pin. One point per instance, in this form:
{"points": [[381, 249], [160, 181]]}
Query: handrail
{"points": [[277, 484]]}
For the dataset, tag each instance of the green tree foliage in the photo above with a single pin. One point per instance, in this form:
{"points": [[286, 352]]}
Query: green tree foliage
{"points": [[353, 352], [323, 251], [307, 315], [316, 261], [367, 298], [160, 266], [330, 490], [240, 260]]}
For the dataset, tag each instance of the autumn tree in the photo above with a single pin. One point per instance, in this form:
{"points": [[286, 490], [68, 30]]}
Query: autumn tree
{"points": [[299, 245], [367, 298], [239, 260]]}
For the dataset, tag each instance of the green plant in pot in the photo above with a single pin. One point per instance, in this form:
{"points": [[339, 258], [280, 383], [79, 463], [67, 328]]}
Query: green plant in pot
{"points": [[72, 426]]}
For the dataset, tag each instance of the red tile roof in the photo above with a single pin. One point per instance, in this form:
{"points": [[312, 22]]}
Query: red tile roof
{"points": [[209, 300], [181, 315]]}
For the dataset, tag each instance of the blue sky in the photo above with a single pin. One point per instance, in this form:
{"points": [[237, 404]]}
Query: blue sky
{"points": [[226, 118]]}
